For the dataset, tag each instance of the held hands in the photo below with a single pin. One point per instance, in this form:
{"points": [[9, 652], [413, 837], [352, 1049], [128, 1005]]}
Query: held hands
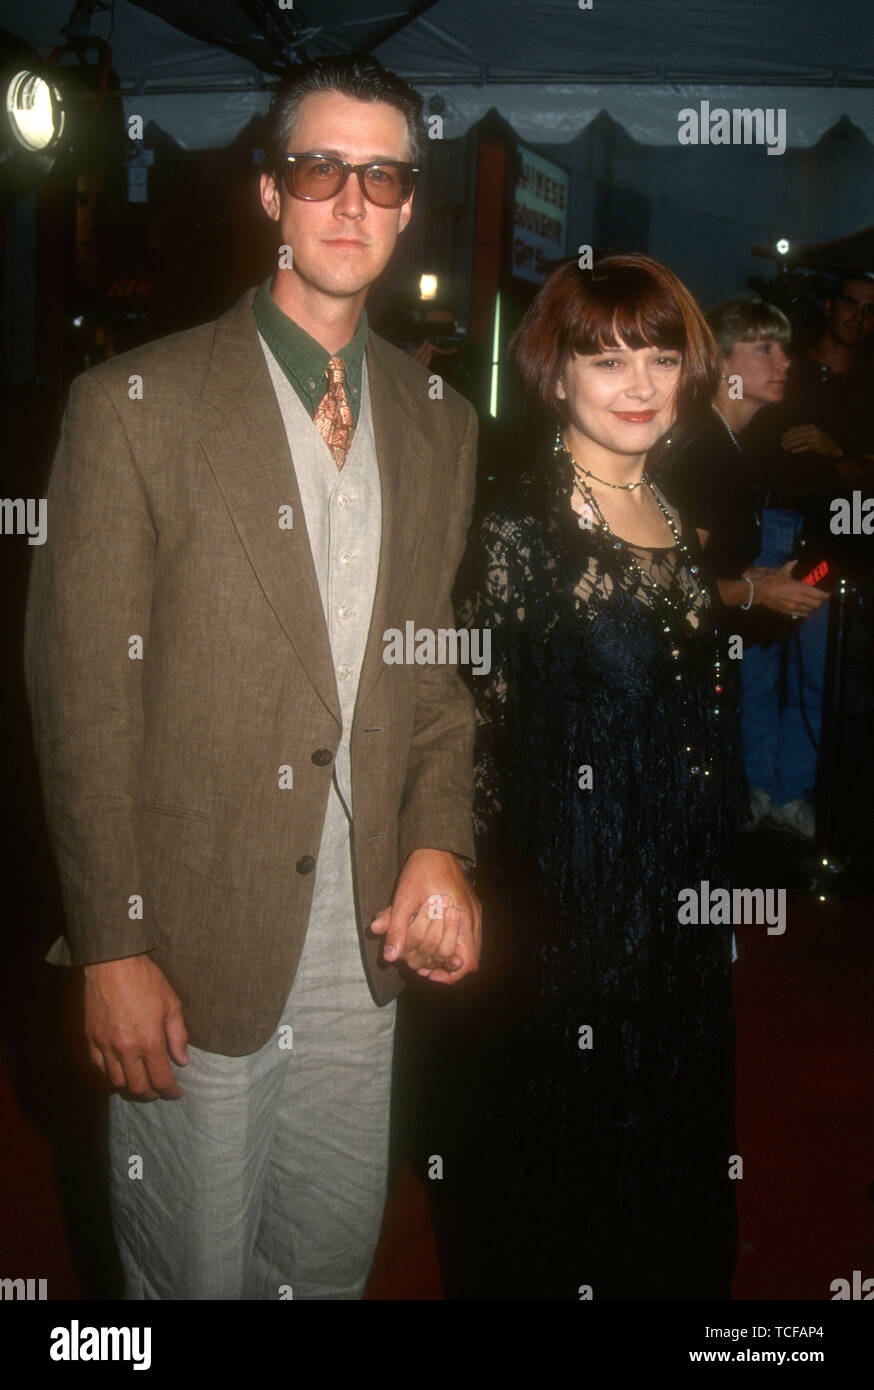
{"points": [[134, 1025], [133, 1016], [434, 923], [777, 590]]}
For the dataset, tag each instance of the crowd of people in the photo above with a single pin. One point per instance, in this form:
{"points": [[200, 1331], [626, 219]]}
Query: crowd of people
{"points": [[786, 438]]}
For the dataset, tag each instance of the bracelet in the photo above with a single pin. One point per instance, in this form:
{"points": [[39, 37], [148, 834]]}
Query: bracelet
{"points": [[747, 606]]}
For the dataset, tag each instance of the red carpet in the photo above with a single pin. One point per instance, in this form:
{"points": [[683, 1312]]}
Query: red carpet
{"points": [[806, 1101], [805, 1112]]}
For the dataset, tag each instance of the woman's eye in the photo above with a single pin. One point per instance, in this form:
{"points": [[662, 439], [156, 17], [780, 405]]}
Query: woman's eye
{"points": [[607, 362], [668, 361]]}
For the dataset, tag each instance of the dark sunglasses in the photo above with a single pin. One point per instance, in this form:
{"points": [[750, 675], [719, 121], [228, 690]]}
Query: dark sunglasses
{"points": [[315, 177]]}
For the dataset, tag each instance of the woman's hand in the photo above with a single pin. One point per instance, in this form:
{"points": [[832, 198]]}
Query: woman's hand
{"points": [[777, 590]]}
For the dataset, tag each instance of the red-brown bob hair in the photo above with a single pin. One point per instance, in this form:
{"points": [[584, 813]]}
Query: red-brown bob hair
{"points": [[625, 295]]}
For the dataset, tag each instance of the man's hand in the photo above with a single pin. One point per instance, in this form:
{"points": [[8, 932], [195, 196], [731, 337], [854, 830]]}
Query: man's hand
{"points": [[423, 352], [434, 923], [804, 439], [133, 1020]]}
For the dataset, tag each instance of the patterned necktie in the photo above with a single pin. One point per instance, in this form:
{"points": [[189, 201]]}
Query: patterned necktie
{"points": [[333, 417]]}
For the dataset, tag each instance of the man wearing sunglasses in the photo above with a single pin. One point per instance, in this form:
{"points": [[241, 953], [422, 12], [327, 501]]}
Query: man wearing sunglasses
{"points": [[260, 824]]}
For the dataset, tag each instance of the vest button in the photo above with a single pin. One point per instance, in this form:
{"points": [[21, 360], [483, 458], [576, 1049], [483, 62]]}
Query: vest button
{"points": [[322, 757], [305, 864]]}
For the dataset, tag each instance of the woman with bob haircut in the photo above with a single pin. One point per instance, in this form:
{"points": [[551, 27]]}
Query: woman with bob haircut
{"points": [[751, 553], [593, 1092]]}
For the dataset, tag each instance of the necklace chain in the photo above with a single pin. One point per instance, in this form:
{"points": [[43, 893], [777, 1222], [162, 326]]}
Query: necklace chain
{"points": [[645, 581], [620, 487], [731, 432], [671, 612]]}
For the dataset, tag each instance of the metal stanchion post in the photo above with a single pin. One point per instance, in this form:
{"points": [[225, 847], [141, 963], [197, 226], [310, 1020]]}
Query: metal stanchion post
{"points": [[826, 872]]}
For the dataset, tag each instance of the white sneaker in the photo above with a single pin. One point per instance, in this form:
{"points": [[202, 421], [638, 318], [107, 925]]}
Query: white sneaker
{"points": [[760, 806], [796, 817]]}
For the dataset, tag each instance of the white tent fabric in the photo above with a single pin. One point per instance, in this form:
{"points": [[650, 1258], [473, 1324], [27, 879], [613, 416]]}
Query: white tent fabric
{"points": [[553, 113], [723, 42], [539, 113], [147, 54], [647, 59], [199, 120]]}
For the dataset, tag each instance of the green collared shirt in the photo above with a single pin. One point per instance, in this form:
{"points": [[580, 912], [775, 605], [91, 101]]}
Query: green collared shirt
{"points": [[305, 361]]}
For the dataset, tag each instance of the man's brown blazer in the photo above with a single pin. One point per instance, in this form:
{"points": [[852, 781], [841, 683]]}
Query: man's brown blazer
{"points": [[168, 513]]}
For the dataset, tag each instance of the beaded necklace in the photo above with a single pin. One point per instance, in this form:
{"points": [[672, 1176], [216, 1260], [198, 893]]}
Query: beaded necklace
{"points": [[670, 611], [728, 427]]}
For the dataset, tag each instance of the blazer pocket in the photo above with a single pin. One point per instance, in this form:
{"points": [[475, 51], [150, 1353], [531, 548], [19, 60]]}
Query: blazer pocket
{"points": [[161, 808]]}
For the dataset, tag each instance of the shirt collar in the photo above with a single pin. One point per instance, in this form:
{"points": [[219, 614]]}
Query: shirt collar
{"points": [[303, 360]]}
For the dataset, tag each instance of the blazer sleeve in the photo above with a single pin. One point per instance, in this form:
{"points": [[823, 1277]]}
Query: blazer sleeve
{"points": [[436, 807], [89, 598]]}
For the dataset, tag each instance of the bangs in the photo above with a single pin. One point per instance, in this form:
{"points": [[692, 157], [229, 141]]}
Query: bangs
{"points": [[627, 306], [745, 319], [626, 298], [768, 327]]}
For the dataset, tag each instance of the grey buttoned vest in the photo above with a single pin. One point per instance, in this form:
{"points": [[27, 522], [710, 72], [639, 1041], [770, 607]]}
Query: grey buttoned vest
{"points": [[343, 517]]}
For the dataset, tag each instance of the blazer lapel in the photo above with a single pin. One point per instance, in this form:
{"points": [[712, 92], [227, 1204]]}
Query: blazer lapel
{"points": [[403, 450], [251, 462]]}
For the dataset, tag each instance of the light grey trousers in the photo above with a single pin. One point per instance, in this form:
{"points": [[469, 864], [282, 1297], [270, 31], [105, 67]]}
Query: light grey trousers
{"points": [[267, 1179]]}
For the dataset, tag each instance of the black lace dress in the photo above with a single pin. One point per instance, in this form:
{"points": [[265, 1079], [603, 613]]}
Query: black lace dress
{"points": [[587, 1090]]}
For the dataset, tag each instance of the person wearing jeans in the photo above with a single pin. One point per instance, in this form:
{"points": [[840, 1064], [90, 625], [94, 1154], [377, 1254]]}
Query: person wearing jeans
{"points": [[749, 549], [783, 695]]}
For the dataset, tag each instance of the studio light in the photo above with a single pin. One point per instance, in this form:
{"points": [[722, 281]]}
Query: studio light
{"points": [[34, 111], [427, 286], [782, 247], [58, 114]]}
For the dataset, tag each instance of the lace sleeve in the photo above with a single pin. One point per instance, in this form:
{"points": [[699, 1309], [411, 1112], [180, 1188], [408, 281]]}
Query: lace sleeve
{"points": [[492, 588]]}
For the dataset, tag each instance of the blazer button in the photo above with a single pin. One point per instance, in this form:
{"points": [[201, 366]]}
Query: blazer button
{"points": [[305, 864], [322, 757]]}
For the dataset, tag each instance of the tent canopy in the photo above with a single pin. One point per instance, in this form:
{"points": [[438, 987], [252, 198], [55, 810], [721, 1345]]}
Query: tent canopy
{"points": [[685, 41], [202, 68]]}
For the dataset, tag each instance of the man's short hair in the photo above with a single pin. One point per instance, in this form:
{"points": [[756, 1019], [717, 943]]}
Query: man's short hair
{"points": [[353, 75], [746, 319], [844, 278]]}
